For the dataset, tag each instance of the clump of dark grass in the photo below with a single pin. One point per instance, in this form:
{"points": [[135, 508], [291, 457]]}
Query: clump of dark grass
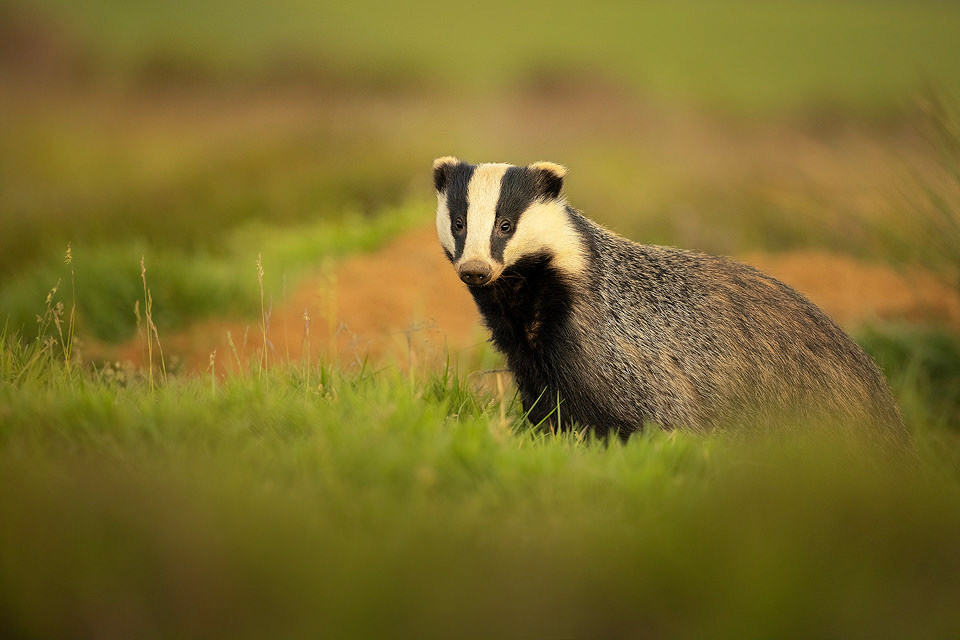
{"points": [[923, 364]]}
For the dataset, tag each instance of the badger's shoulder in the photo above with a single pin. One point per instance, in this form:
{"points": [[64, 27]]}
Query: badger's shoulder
{"points": [[668, 277]]}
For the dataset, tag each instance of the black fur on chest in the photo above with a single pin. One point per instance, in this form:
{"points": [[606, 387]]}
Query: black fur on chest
{"points": [[528, 311], [528, 306]]}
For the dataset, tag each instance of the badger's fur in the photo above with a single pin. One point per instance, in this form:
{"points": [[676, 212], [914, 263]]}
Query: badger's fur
{"points": [[602, 332]]}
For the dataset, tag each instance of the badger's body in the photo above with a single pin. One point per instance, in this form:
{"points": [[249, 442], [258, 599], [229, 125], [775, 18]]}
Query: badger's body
{"points": [[603, 332]]}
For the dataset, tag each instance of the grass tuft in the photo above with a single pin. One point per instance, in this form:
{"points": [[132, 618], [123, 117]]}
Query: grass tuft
{"points": [[152, 335], [925, 229], [264, 319], [936, 208]]}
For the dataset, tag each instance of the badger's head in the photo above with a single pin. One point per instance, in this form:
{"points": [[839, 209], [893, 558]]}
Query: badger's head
{"points": [[491, 216]]}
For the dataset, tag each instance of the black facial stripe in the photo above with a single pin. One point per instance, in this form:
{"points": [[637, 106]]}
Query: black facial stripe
{"points": [[457, 183], [518, 190]]}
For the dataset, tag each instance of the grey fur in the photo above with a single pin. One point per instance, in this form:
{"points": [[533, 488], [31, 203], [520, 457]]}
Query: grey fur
{"points": [[687, 339]]}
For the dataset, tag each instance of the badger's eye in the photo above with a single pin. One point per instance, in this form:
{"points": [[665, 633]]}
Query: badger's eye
{"points": [[506, 227], [458, 224]]}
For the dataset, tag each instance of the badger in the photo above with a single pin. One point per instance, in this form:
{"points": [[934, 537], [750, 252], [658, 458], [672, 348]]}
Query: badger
{"points": [[603, 333]]}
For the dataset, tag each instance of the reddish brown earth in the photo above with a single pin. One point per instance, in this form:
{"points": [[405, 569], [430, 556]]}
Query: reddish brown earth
{"points": [[404, 304], [854, 292], [398, 303]]}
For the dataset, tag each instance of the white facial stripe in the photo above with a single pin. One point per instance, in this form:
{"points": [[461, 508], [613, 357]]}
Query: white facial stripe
{"points": [[443, 225], [482, 195], [545, 226]]}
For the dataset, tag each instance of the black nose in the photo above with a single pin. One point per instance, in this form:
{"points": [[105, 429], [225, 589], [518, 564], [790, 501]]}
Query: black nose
{"points": [[474, 272]]}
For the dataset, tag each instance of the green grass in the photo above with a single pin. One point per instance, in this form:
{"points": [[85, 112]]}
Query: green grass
{"points": [[746, 56], [366, 503], [319, 500], [924, 362], [191, 285]]}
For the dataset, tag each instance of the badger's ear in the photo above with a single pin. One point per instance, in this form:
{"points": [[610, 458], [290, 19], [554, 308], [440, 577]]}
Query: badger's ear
{"points": [[549, 179], [441, 172]]}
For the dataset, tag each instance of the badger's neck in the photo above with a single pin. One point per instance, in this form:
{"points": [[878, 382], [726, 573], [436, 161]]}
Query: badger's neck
{"points": [[528, 308]]}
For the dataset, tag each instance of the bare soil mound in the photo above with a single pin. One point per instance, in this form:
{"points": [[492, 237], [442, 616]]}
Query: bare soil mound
{"points": [[854, 292], [399, 303]]}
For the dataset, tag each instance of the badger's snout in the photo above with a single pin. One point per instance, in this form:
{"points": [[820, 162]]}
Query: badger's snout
{"points": [[475, 272]]}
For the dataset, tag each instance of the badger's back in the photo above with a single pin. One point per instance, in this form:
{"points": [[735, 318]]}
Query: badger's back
{"points": [[723, 343], [601, 331]]}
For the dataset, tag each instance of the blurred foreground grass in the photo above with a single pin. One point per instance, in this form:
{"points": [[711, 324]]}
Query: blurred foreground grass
{"points": [[318, 500]]}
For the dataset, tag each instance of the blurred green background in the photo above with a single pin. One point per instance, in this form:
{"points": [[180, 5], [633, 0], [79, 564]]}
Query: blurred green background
{"points": [[196, 131], [743, 55]]}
